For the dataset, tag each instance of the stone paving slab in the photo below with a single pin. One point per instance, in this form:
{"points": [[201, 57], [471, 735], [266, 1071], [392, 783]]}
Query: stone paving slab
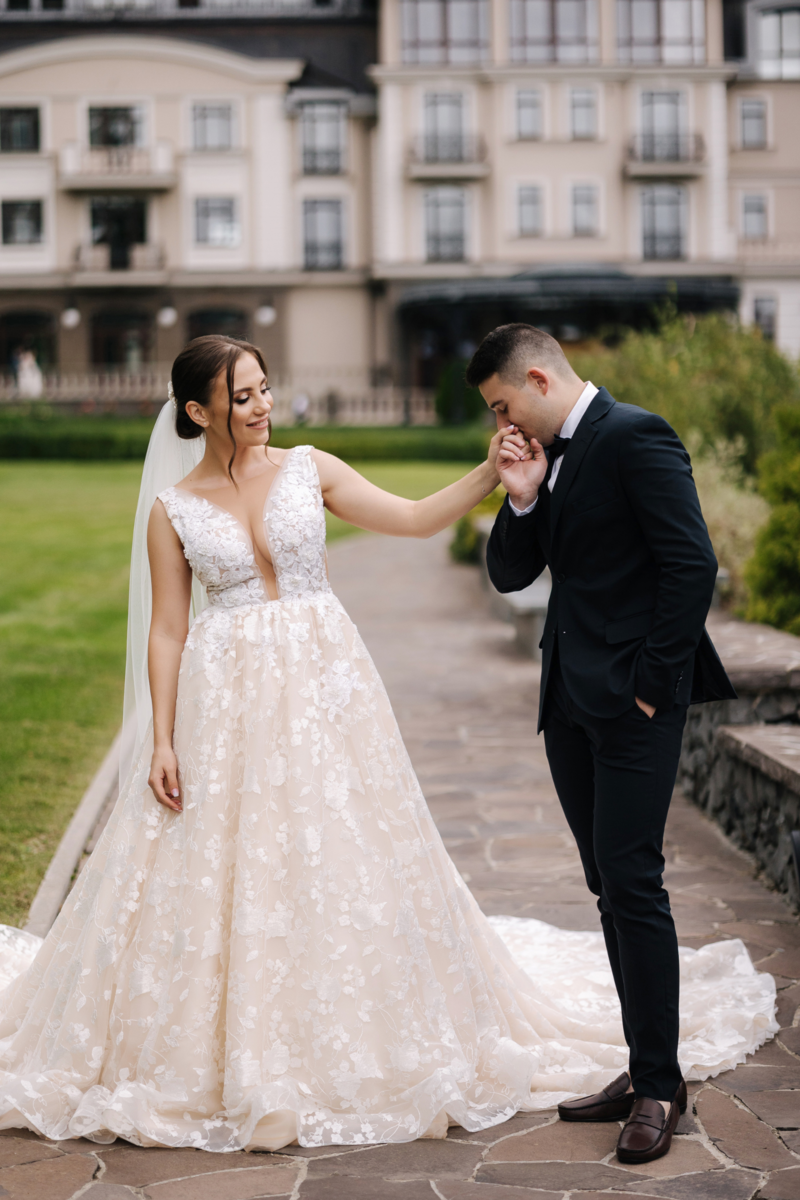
{"points": [[466, 704]]}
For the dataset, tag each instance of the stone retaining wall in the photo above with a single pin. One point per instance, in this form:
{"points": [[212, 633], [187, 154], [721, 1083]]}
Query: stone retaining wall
{"points": [[741, 758]]}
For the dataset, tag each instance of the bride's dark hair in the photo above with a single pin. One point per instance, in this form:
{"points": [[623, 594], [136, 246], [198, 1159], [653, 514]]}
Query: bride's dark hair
{"points": [[193, 375]]}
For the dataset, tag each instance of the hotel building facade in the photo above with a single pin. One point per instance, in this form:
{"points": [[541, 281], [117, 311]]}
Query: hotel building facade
{"points": [[366, 193]]}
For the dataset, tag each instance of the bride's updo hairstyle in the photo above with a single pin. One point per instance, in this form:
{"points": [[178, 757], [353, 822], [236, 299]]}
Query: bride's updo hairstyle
{"points": [[193, 375]]}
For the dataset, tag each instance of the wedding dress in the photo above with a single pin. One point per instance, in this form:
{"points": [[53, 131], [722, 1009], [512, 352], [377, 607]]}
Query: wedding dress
{"points": [[295, 955]]}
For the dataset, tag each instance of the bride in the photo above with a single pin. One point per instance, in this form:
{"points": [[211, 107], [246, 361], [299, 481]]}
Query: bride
{"points": [[270, 942]]}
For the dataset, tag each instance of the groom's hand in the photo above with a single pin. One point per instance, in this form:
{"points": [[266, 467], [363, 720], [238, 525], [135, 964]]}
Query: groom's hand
{"points": [[522, 467], [648, 709]]}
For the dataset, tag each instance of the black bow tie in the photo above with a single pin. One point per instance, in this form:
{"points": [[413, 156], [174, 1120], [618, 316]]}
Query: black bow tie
{"points": [[558, 447]]}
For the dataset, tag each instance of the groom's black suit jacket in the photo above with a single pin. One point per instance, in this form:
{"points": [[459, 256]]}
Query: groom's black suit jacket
{"points": [[632, 566]]}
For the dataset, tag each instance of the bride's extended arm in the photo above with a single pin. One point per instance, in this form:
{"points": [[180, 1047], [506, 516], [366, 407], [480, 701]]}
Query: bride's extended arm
{"points": [[353, 498], [172, 587]]}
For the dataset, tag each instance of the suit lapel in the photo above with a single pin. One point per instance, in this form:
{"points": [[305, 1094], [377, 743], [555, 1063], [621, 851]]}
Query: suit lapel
{"points": [[574, 455]]}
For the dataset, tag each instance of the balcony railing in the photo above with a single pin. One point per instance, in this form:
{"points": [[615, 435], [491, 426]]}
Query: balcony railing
{"points": [[448, 148], [447, 156], [667, 147], [668, 246], [101, 257], [108, 168]]}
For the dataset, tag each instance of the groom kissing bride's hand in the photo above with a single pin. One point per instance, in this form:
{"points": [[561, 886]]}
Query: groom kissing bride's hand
{"points": [[602, 494], [523, 464]]}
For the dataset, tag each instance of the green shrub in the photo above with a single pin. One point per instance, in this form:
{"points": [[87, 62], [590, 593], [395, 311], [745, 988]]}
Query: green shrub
{"points": [[734, 513], [47, 435], [706, 374], [455, 403], [465, 546], [773, 572]]}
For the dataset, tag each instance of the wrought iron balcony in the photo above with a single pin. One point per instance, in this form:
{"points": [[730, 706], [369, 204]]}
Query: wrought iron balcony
{"points": [[666, 154], [447, 156]]}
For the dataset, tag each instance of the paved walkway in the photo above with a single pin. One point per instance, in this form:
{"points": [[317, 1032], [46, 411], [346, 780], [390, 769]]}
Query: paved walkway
{"points": [[466, 707]]}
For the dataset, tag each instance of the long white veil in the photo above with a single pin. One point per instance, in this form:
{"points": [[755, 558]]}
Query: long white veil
{"points": [[169, 459]]}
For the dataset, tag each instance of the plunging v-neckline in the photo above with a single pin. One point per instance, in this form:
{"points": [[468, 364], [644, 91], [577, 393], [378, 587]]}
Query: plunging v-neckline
{"points": [[233, 517]]}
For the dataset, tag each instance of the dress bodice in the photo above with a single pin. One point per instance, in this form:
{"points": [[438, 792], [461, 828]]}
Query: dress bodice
{"points": [[219, 550]]}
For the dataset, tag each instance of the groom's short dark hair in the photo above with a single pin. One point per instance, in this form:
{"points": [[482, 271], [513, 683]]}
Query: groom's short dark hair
{"points": [[510, 350]]}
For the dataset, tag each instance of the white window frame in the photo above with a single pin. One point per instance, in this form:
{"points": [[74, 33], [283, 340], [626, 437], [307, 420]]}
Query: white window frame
{"points": [[520, 187], [739, 142], [465, 196], [214, 102], [529, 91], [145, 126], [761, 194], [236, 207], [597, 232], [585, 91], [344, 232]]}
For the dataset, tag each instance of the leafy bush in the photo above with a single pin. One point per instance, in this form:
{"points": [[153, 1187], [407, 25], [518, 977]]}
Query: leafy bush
{"points": [[47, 435], [773, 572], [734, 513], [455, 403], [465, 546], [706, 374]]}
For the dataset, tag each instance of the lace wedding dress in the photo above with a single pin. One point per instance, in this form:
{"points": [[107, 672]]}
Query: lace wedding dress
{"points": [[295, 955]]}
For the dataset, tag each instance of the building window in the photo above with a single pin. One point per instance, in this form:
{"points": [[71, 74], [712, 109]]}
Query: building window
{"points": [[118, 222], [115, 127], [583, 113], [754, 124], [668, 31], [531, 211], [216, 221], [22, 222], [765, 314], [212, 126], [553, 31], [663, 221], [19, 130], [529, 115], [322, 126], [754, 218], [444, 127], [584, 210], [661, 127], [444, 31], [445, 224], [779, 48], [323, 243]]}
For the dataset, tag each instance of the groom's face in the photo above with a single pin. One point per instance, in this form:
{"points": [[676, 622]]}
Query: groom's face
{"points": [[526, 406]]}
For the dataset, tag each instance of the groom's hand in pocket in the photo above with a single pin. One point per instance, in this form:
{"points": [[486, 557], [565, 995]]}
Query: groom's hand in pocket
{"points": [[648, 709], [522, 466]]}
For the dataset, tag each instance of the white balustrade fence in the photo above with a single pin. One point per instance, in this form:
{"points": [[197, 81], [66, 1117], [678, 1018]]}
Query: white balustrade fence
{"points": [[342, 399]]}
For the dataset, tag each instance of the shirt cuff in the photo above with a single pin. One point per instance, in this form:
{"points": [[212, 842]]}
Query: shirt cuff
{"points": [[522, 512]]}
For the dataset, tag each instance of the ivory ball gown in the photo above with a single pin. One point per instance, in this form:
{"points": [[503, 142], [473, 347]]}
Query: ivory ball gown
{"points": [[295, 955]]}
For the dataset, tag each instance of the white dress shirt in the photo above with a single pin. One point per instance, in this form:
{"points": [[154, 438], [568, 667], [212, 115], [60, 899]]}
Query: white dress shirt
{"points": [[567, 430]]}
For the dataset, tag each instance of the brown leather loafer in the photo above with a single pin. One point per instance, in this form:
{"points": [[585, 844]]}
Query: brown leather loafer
{"points": [[614, 1103], [648, 1132]]}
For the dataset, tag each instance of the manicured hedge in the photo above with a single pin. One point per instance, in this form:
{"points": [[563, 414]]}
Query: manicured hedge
{"points": [[109, 438]]}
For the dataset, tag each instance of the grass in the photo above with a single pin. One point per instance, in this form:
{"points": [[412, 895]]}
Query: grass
{"points": [[65, 546]]}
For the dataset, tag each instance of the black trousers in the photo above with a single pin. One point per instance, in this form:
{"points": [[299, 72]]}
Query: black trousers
{"points": [[614, 778]]}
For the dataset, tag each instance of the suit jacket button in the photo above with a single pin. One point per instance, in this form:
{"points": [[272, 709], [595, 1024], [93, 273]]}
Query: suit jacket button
{"points": [[561, 577]]}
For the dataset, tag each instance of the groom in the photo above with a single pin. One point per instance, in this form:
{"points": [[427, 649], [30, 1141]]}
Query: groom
{"points": [[602, 494]]}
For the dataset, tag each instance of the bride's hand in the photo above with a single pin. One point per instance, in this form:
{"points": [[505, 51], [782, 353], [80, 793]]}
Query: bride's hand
{"points": [[163, 778], [521, 466]]}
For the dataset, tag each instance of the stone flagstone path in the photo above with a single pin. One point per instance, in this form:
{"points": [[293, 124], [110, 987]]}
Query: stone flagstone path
{"points": [[466, 707]]}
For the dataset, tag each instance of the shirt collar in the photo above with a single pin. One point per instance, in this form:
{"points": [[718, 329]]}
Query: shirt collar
{"points": [[581, 404]]}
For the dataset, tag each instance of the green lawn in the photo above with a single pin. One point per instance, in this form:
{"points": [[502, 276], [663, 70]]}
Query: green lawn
{"points": [[64, 546]]}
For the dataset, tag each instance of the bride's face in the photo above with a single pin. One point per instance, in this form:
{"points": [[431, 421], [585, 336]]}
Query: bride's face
{"points": [[252, 403]]}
